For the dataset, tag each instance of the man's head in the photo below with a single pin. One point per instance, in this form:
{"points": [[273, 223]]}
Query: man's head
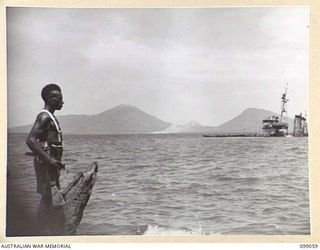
{"points": [[51, 94]]}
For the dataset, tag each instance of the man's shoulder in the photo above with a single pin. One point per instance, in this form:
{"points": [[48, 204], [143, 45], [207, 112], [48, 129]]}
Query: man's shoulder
{"points": [[43, 117]]}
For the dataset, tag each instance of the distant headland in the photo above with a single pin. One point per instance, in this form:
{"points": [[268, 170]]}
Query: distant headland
{"points": [[127, 119]]}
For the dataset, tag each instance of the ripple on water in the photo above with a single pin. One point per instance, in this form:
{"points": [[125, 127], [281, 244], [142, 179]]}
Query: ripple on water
{"points": [[167, 184]]}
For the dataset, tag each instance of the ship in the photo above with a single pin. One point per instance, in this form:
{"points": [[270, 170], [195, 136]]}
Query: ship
{"points": [[275, 125], [300, 126]]}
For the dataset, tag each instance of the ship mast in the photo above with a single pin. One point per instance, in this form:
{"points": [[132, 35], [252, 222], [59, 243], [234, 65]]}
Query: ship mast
{"points": [[284, 100]]}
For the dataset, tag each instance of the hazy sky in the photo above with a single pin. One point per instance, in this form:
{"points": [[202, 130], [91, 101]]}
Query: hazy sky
{"points": [[178, 64]]}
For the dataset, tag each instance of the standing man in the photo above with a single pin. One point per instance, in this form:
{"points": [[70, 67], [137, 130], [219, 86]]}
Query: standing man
{"points": [[45, 141]]}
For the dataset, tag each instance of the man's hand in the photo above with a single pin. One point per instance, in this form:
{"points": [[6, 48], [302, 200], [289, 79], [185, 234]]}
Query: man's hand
{"points": [[57, 164]]}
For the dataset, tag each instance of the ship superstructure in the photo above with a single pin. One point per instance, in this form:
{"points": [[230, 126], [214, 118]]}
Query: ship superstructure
{"points": [[300, 126], [274, 125]]}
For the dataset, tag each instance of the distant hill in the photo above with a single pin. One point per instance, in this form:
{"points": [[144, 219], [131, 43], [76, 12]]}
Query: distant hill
{"points": [[125, 119], [122, 119], [249, 121]]}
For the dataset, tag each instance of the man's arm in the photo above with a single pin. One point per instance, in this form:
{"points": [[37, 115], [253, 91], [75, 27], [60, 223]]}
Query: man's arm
{"points": [[37, 130]]}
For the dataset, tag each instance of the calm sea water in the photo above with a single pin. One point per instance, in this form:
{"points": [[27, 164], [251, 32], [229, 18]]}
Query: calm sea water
{"points": [[181, 184]]}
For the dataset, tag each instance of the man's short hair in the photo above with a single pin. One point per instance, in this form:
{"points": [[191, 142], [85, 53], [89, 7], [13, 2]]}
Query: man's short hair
{"points": [[47, 89]]}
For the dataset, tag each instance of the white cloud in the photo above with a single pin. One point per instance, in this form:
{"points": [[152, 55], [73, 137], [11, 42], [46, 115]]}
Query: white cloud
{"points": [[178, 64]]}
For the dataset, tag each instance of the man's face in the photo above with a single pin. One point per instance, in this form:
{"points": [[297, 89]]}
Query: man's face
{"points": [[55, 99]]}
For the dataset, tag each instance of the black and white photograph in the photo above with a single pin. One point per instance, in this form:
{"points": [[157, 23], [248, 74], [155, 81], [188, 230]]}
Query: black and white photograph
{"points": [[157, 121]]}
